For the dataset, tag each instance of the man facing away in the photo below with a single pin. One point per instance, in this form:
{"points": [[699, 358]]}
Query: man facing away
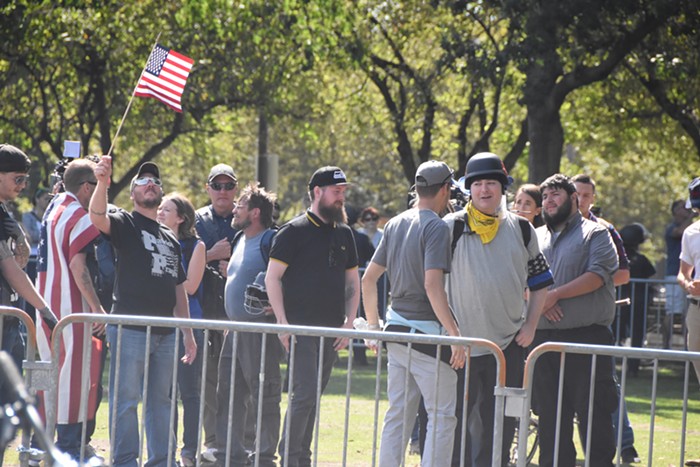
{"points": [[214, 226], [676, 301], [66, 238], [579, 309], [415, 253], [252, 216], [149, 282], [689, 272], [496, 258], [312, 280]]}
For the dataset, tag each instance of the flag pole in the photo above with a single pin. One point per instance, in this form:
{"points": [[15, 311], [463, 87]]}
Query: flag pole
{"points": [[131, 99]]}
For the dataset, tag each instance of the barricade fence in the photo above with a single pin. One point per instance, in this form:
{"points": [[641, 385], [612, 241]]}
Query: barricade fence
{"points": [[515, 402], [596, 353], [654, 318]]}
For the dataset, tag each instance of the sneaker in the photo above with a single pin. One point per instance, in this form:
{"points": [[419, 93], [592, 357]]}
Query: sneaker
{"points": [[91, 453], [414, 448], [629, 455], [187, 462], [209, 455], [693, 462], [35, 455]]}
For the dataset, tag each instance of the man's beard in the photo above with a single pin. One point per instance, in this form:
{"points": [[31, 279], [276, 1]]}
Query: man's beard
{"points": [[149, 203], [241, 224], [333, 213], [560, 216]]}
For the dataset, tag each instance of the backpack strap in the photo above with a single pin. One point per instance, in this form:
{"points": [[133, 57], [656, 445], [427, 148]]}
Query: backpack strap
{"points": [[525, 229], [461, 224], [266, 244], [458, 229]]}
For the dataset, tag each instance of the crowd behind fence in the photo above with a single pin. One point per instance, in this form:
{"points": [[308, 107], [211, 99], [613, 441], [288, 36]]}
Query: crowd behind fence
{"points": [[510, 401]]}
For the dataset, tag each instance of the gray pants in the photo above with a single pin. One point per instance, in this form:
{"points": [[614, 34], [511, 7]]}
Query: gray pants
{"points": [[246, 387], [404, 389], [302, 407]]}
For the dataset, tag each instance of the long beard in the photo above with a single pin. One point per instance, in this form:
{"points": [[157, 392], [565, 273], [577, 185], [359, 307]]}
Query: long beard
{"points": [[333, 213], [560, 216]]}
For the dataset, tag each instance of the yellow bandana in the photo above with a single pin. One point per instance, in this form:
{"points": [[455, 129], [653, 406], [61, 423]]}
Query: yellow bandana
{"points": [[482, 224]]}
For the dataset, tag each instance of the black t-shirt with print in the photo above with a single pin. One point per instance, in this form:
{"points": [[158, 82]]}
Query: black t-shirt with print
{"points": [[317, 256], [148, 266]]}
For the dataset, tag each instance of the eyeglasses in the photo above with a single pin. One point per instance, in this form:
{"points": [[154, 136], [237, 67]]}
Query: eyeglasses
{"points": [[20, 179], [370, 218], [228, 186], [141, 181], [91, 182]]}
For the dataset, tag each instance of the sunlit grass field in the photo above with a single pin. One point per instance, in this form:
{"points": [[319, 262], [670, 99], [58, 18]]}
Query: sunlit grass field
{"points": [[363, 426]]}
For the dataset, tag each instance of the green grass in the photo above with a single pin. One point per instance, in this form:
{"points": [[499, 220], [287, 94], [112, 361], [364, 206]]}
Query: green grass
{"points": [[361, 420]]}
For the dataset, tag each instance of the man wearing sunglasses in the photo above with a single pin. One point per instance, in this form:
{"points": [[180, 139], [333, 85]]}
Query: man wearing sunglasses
{"points": [[689, 272], [149, 282], [214, 224], [14, 169]]}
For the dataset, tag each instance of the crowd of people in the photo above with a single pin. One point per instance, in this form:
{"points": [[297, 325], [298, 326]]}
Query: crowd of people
{"points": [[544, 270]]}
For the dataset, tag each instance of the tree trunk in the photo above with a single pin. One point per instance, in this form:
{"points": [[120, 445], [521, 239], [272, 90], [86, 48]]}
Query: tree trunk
{"points": [[546, 137]]}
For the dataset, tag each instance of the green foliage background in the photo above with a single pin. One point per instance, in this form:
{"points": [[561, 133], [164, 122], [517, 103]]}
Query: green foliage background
{"points": [[374, 87]]}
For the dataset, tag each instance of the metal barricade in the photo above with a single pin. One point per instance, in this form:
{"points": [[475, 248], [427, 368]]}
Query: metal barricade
{"points": [[524, 397], [37, 374], [269, 331], [656, 316]]}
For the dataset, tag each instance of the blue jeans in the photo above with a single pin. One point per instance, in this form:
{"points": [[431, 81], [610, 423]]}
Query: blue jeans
{"points": [[129, 390], [189, 383]]}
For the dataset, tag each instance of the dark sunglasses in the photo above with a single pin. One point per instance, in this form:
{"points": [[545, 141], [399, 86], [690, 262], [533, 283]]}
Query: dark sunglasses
{"points": [[144, 181], [372, 218], [228, 186], [90, 182]]}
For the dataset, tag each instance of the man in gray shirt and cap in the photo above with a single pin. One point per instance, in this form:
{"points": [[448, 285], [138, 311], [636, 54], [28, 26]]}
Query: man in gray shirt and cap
{"points": [[415, 253]]}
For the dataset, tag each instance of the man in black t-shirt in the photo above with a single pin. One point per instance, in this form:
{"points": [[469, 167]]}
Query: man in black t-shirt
{"points": [[149, 282], [312, 280]]}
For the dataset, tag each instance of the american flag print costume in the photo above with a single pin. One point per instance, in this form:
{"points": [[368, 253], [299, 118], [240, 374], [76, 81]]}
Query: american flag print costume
{"points": [[65, 231]]}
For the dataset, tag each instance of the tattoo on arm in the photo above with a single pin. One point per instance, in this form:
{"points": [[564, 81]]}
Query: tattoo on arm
{"points": [[349, 292]]}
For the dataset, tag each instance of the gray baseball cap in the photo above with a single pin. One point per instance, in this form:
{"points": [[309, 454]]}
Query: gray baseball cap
{"points": [[433, 173]]}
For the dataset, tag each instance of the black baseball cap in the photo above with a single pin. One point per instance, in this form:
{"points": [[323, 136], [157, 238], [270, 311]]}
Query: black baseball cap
{"points": [[328, 175], [12, 159]]}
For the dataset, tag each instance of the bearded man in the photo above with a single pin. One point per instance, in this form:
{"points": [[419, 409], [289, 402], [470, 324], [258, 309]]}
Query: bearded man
{"points": [[579, 308], [312, 280], [150, 282]]}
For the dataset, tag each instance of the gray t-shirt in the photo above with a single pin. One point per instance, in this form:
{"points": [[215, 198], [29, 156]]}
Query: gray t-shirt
{"points": [[486, 287], [413, 242], [245, 263]]}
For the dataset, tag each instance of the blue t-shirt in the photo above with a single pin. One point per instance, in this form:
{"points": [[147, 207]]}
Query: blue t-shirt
{"points": [[245, 263]]}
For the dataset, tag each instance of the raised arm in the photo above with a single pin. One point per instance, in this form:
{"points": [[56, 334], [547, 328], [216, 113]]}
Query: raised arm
{"points": [[98, 201]]}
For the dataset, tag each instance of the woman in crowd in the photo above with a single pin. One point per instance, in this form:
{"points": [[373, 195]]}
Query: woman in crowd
{"points": [[528, 203], [370, 225], [177, 213]]}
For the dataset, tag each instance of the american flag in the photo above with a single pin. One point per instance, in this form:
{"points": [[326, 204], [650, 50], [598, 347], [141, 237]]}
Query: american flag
{"points": [[165, 76], [66, 231]]}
